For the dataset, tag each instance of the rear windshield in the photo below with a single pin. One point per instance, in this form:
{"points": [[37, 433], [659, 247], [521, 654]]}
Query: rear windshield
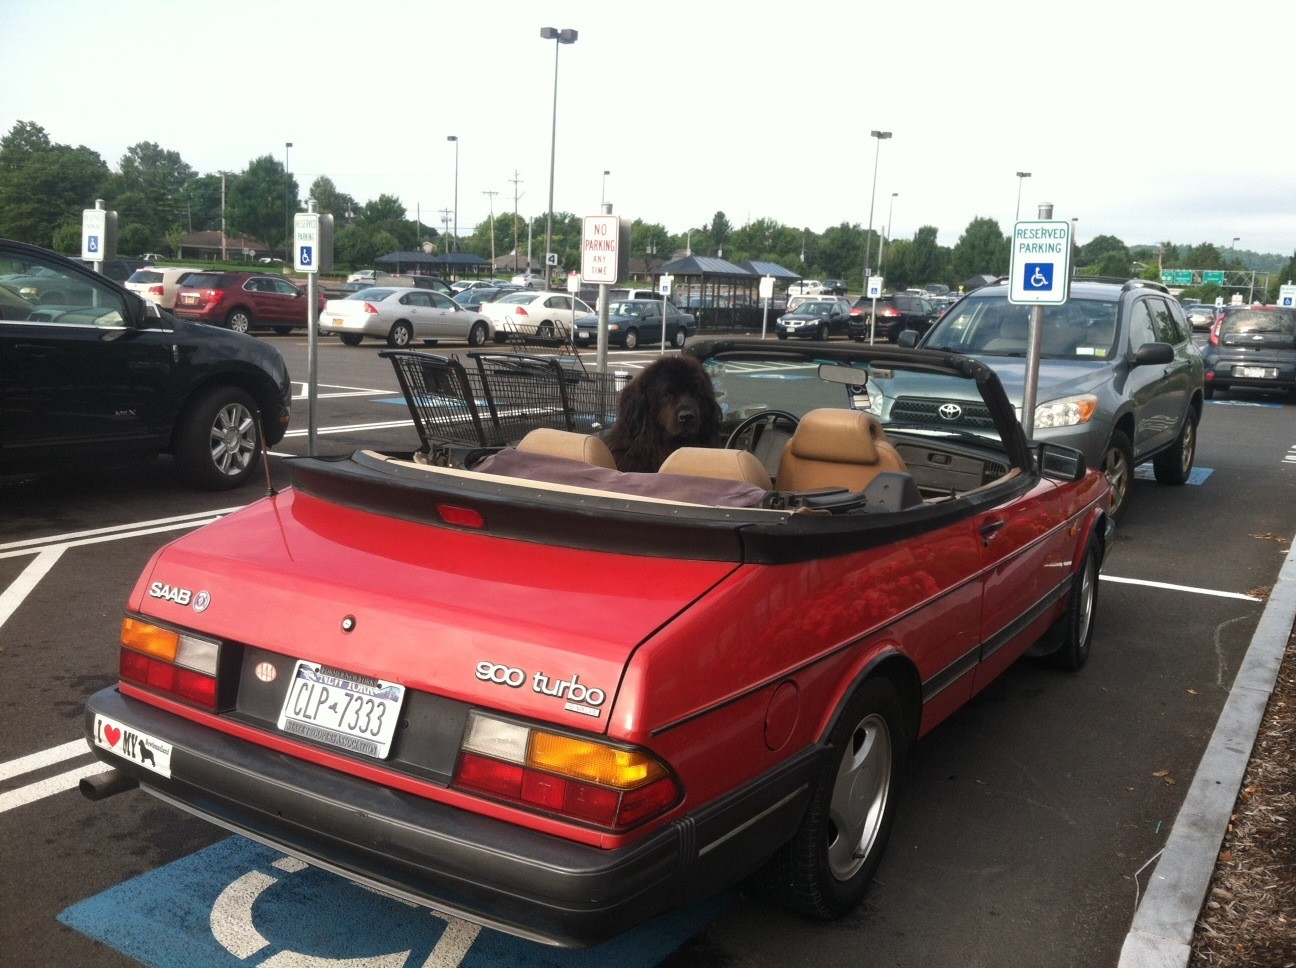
{"points": [[146, 275], [371, 294], [516, 297], [1082, 329], [206, 280], [1260, 321], [815, 307]]}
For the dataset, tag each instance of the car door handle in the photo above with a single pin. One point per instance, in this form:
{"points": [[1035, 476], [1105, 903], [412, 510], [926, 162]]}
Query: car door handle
{"points": [[33, 351], [989, 530]]}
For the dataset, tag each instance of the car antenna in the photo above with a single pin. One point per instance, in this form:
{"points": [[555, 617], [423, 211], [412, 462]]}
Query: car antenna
{"points": [[265, 458]]}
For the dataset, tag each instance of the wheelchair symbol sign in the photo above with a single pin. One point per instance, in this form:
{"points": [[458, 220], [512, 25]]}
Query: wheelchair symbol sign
{"points": [[304, 258], [1038, 277], [92, 243]]}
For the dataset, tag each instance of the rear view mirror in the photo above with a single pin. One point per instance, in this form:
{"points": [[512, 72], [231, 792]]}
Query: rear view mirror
{"points": [[846, 375], [1152, 354], [1061, 463], [908, 339]]}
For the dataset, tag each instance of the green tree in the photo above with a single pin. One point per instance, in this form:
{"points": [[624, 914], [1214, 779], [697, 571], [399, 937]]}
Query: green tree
{"points": [[255, 204], [918, 262], [338, 204], [148, 190], [1284, 275], [720, 230], [67, 238], [44, 185], [1115, 264], [200, 200], [1203, 256], [134, 239], [1099, 246], [840, 252], [357, 245], [982, 248]]}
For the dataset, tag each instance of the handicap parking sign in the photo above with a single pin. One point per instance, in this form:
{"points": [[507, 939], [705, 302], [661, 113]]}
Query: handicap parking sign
{"points": [[1287, 300], [305, 258], [92, 243], [1038, 277]]}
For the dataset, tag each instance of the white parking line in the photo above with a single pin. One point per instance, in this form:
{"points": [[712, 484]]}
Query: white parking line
{"points": [[17, 593], [138, 533], [72, 536], [47, 788], [353, 428], [338, 386], [1180, 588], [38, 761]]}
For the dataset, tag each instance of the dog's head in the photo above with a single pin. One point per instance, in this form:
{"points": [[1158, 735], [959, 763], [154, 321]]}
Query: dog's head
{"points": [[675, 399]]}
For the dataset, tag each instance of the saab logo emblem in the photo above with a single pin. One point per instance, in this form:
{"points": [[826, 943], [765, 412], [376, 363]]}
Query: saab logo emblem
{"points": [[171, 593], [201, 601], [265, 671], [950, 411]]}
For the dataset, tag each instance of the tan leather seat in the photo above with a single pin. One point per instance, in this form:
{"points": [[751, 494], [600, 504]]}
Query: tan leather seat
{"points": [[836, 448], [563, 443], [726, 465]]}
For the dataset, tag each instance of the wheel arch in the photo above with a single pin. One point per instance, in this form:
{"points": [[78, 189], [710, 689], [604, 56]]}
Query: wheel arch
{"points": [[889, 663], [260, 386]]}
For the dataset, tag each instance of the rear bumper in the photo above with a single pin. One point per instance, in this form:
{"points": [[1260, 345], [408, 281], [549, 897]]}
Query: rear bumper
{"points": [[488, 871], [1221, 372]]}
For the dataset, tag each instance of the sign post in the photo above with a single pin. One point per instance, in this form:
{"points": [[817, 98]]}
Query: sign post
{"points": [[665, 282], [312, 253], [1040, 276], [98, 235], [605, 259], [1287, 296], [875, 284], [766, 292]]}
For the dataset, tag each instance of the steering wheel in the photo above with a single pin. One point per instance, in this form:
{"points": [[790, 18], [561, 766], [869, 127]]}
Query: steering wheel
{"points": [[768, 417]]}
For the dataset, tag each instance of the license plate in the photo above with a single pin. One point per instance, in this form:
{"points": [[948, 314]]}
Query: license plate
{"points": [[341, 709], [1254, 372], [146, 751], [188, 300]]}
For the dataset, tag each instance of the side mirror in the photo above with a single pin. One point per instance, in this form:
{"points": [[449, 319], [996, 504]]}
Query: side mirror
{"points": [[908, 339], [1061, 463], [1153, 354]]}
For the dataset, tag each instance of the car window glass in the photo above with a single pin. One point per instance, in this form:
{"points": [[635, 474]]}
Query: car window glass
{"points": [[442, 302], [991, 326], [1255, 321], [582, 307], [285, 287], [1141, 328], [1164, 322], [39, 291]]}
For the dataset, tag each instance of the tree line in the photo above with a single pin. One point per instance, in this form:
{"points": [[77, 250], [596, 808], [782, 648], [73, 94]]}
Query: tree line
{"points": [[44, 186]]}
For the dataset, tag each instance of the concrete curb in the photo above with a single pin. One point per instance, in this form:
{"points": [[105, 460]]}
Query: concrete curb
{"points": [[1162, 931]]}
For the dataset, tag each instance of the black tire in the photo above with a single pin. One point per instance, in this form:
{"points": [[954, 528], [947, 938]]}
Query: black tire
{"points": [[351, 339], [816, 872], [400, 335], [1172, 466], [218, 441], [782, 335], [1210, 392], [478, 334], [1076, 626], [678, 340], [821, 334], [631, 339], [1118, 465], [240, 320], [283, 330]]}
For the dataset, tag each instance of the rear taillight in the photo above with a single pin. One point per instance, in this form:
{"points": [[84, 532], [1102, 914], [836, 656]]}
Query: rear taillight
{"points": [[177, 663], [520, 311], [215, 295], [582, 779], [856, 311], [370, 309], [156, 291], [888, 312], [1215, 330]]}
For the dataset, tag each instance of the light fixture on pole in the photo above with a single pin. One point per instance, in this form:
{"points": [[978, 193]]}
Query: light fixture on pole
{"points": [[559, 37], [887, 237], [287, 205], [603, 193], [868, 239], [1236, 240], [1021, 178], [455, 139]]}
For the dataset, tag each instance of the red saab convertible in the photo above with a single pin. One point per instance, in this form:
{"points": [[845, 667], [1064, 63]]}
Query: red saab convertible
{"points": [[519, 686]]}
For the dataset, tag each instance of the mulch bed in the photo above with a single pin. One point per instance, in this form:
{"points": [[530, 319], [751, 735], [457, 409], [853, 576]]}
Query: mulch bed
{"points": [[1249, 918]]}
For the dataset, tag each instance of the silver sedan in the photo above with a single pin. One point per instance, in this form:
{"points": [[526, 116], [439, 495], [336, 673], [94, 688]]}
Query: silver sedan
{"points": [[401, 316]]}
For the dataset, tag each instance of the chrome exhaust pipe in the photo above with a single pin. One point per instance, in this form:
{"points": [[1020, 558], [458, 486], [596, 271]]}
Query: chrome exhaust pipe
{"points": [[101, 786]]}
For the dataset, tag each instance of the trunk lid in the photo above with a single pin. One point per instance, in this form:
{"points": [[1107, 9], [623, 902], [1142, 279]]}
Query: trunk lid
{"points": [[434, 608]]}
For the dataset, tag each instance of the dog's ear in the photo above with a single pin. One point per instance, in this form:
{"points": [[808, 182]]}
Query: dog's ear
{"points": [[632, 409]]}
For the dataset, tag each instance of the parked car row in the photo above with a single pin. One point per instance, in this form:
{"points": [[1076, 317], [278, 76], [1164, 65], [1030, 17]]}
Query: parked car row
{"points": [[243, 300]]}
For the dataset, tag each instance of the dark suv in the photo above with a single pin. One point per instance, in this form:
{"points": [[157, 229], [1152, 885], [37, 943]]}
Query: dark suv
{"points": [[1253, 347], [1120, 379], [92, 374], [895, 315], [242, 300]]}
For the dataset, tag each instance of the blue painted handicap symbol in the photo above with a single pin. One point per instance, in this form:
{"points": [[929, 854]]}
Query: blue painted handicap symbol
{"points": [[305, 258], [1197, 475], [238, 903], [1287, 300], [1039, 277], [92, 243]]}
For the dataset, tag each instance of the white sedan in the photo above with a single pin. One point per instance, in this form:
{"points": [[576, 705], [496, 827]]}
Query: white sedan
{"points": [[542, 314], [401, 316]]}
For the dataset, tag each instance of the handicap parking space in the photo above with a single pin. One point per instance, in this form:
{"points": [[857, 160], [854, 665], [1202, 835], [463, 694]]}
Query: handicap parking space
{"points": [[1024, 818]]}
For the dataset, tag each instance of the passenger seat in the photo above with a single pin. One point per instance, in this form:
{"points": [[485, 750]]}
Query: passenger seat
{"points": [[837, 448], [564, 443], [725, 465]]}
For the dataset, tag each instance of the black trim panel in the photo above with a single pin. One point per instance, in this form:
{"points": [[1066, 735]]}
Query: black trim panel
{"points": [[953, 672], [1014, 628]]}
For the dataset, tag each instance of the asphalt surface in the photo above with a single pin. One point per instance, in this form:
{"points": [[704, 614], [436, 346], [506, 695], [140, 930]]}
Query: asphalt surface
{"points": [[1022, 819]]}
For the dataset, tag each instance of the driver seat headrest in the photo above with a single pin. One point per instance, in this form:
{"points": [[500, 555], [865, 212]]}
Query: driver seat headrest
{"points": [[837, 448]]}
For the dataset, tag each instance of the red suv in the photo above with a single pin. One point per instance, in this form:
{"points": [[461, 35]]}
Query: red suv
{"points": [[241, 300]]}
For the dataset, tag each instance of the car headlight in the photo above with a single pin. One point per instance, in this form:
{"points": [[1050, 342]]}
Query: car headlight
{"points": [[1066, 412], [613, 327]]}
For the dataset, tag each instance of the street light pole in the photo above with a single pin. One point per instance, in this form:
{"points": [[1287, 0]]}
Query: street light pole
{"points": [[887, 238], [455, 139], [287, 204], [559, 37], [492, 226], [1021, 178], [868, 239], [603, 193], [224, 251]]}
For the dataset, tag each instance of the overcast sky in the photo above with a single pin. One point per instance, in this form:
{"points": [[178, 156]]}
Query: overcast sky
{"points": [[1145, 120]]}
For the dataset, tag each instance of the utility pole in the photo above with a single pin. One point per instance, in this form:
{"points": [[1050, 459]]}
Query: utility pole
{"points": [[516, 182], [492, 226], [224, 254], [445, 229]]}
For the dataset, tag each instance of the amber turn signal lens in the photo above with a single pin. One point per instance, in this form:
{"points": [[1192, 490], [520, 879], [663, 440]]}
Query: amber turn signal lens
{"points": [[149, 639], [605, 765]]}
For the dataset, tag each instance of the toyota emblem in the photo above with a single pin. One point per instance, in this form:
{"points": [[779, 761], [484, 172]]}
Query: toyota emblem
{"points": [[950, 411]]}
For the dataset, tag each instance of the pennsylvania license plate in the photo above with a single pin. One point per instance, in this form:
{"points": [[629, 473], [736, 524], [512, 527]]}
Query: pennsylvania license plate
{"points": [[341, 709], [1255, 372]]}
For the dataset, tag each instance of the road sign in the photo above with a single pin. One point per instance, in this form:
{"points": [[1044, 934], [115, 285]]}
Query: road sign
{"points": [[573, 282], [98, 235], [1287, 295], [551, 258], [600, 249], [1041, 263], [1219, 302], [1213, 276], [312, 242], [875, 284], [664, 284], [766, 288]]}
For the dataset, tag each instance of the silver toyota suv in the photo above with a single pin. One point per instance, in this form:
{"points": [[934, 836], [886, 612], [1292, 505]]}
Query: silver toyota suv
{"points": [[1120, 379]]}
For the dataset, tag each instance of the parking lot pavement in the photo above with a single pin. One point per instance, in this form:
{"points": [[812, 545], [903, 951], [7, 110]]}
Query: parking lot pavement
{"points": [[1023, 818]]}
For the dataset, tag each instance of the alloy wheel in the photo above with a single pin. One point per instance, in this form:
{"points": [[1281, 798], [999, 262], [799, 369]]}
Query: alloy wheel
{"points": [[233, 439], [859, 796]]}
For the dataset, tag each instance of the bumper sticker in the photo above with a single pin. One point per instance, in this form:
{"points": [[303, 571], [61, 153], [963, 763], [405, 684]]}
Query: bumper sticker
{"points": [[145, 751]]}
